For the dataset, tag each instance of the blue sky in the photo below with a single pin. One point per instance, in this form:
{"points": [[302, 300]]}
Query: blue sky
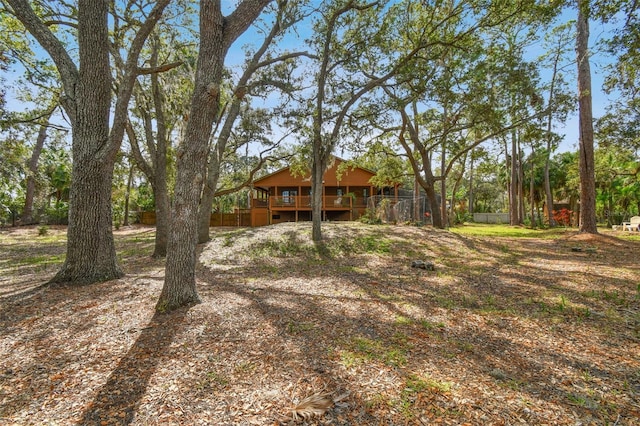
{"points": [[569, 129]]}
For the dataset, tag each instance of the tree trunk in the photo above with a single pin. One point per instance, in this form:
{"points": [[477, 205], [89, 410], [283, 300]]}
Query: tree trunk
{"points": [[217, 153], [180, 284], [163, 212], [443, 187], [87, 101], [125, 220], [443, 166], [91, 255], [531, 194], [216, 35], [208, 195], [90, 248], [521, 209], [435, 206], [471, 195], [588, 222], [547, 189], [160, 188], [27, 213], [513, 187], [547, 181], [317, 173]]}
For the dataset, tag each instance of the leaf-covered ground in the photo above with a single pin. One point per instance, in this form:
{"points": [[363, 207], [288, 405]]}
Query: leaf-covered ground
{"points": [[504, 331]]}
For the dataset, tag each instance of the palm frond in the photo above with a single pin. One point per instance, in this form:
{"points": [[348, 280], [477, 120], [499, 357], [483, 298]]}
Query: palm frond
{"points": [[313, 405]]}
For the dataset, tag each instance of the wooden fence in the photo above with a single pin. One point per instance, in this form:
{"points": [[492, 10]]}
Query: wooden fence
{"points": [[238, 218]]}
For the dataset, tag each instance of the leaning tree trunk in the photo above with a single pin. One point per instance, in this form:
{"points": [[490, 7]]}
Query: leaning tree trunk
{"points": [[206, 202], [587, 163], [180, 284], [436, 217], [27, 213], [216, 35], [127, 196]]}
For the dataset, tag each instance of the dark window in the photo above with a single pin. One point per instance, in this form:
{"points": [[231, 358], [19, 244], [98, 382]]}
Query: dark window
{"points": [[287, 196]]}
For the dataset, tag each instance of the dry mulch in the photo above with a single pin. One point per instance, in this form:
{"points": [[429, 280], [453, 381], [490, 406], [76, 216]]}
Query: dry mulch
{"points": [[504, 331]]}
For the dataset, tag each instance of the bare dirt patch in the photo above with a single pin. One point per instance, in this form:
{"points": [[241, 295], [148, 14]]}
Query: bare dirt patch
{"points": [[504, 331]]}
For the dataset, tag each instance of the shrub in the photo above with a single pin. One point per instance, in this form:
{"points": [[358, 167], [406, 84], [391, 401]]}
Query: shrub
{"points": [[562, 217]]}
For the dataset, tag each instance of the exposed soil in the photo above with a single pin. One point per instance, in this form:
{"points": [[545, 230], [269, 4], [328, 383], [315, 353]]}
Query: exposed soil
{"points": [[503, 331]]}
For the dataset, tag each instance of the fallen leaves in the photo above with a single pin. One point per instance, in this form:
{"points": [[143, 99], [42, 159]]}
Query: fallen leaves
{"points": [[509, 331]]}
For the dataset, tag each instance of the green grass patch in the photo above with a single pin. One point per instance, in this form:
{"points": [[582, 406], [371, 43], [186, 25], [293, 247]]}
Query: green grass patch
{"points": [[401, 320], [614, 297], [429, 325], [214, 380], [419, 388], [372, 244], [417, 384], [361, 350], [294, 327], [40, 260], [495, 230]]}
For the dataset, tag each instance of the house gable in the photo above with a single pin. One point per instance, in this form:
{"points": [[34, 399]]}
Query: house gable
{"points": [[283, 177]]}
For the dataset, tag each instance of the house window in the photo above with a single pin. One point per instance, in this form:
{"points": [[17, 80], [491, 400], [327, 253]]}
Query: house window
{"points": [[339, 192], [288, 196]]}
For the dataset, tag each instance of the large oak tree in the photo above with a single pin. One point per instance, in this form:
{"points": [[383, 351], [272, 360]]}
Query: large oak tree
{"points": [[96, 136], [217, 33]]}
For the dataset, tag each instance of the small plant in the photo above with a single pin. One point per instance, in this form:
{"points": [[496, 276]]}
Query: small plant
{"points": [[43, 230], [368, 349], [214, 379], [417, 384], [369, 218], [351, 359], [428, 325], [245, 368], [402, 320], [562, 304]]}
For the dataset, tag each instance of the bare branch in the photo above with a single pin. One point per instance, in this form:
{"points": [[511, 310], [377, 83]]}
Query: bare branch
{"points": [[159, 68]]}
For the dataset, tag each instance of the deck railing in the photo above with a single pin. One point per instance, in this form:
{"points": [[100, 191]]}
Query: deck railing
{"points": [[303, 202]]}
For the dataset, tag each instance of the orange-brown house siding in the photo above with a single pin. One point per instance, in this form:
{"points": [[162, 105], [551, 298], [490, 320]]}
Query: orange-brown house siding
{"points": [[282, 197]]}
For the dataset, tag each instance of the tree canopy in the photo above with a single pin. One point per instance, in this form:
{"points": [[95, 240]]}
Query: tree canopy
{"points": [[462, 102]]}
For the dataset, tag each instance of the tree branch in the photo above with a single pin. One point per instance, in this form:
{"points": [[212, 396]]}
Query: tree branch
{"points": [[159, 68]]}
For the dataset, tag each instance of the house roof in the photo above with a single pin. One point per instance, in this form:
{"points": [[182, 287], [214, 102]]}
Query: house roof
{"points": [[283, 177]]}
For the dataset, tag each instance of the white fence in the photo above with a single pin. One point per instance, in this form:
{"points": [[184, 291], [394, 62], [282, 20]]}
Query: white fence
{"points": [[491, 217]]}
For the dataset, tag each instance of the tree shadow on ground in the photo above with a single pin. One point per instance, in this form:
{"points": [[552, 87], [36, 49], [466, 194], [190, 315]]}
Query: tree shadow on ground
{"points": [[117, 401], [490, 285]]}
